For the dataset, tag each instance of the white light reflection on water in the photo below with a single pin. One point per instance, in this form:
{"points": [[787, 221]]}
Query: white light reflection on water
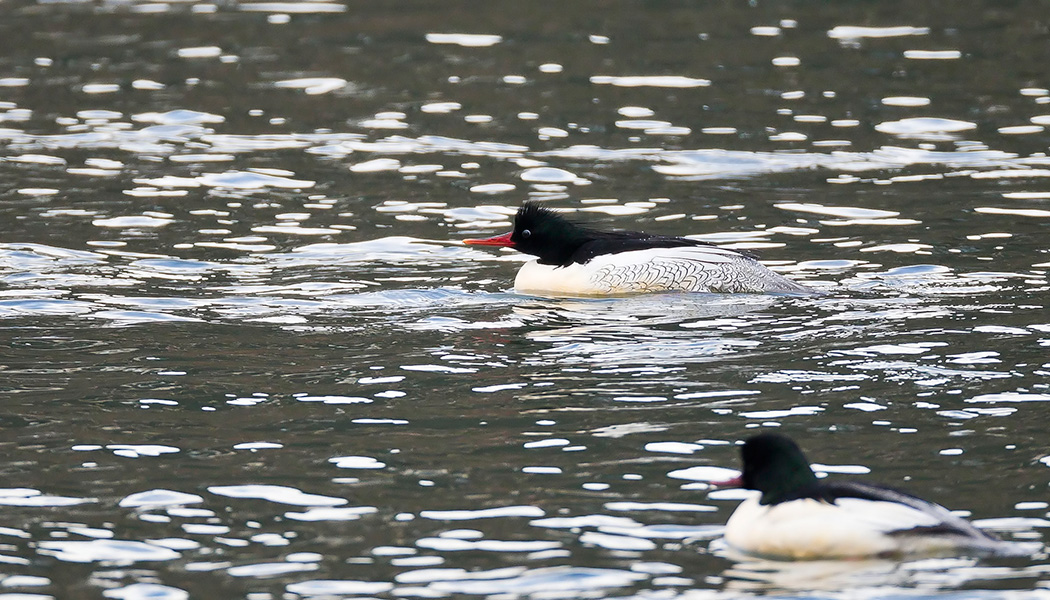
{"points": [[177, 128], [33, 497], [276, 493], [117, 551], [146, 591], [545, 581]]}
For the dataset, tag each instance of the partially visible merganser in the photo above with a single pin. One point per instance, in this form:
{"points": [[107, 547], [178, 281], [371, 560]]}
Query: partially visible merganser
{"points": [[574, 260], [796, 516]]}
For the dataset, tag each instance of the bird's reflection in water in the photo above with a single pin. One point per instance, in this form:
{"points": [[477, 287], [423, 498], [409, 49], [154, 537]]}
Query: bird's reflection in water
{"points": [[684, 309], [757, 575], [865, 578]]}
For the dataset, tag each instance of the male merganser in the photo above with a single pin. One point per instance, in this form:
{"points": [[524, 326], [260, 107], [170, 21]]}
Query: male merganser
{"points": [[799, 517], [574, 260]]}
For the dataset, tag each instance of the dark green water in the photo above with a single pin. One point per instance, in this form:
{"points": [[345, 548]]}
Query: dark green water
{"points": [[243, 354]]}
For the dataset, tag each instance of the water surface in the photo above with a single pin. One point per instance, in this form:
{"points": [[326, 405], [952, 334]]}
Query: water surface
{"points": [[243, 353]]}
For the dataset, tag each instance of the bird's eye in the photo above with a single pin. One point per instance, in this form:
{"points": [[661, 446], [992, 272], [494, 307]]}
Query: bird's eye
{"points": [[525, 234]]}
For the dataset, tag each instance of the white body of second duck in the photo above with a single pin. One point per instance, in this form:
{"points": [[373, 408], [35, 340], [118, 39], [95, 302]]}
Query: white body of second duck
{"points": [[795, 516]]}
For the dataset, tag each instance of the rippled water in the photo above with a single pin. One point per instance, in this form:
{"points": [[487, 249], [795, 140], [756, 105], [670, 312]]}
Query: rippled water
{"points": [[244, 354]]}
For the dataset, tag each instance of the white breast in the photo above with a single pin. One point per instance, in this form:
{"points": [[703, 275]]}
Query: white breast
{"points": [[690, 269], [849, 528]]}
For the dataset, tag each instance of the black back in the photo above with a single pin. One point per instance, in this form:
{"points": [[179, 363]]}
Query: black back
{"points": [[556, 240]]}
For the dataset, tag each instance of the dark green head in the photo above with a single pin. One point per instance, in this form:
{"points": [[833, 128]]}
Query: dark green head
{"points": [[775, 466]]}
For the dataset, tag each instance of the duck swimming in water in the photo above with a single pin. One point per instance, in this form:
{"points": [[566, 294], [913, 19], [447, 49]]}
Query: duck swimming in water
{"points": [[795, 516], [575, 260]]}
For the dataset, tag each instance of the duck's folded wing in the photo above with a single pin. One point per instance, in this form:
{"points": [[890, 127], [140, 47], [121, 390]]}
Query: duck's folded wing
{"points": [[889, 517], [899, 513]]}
